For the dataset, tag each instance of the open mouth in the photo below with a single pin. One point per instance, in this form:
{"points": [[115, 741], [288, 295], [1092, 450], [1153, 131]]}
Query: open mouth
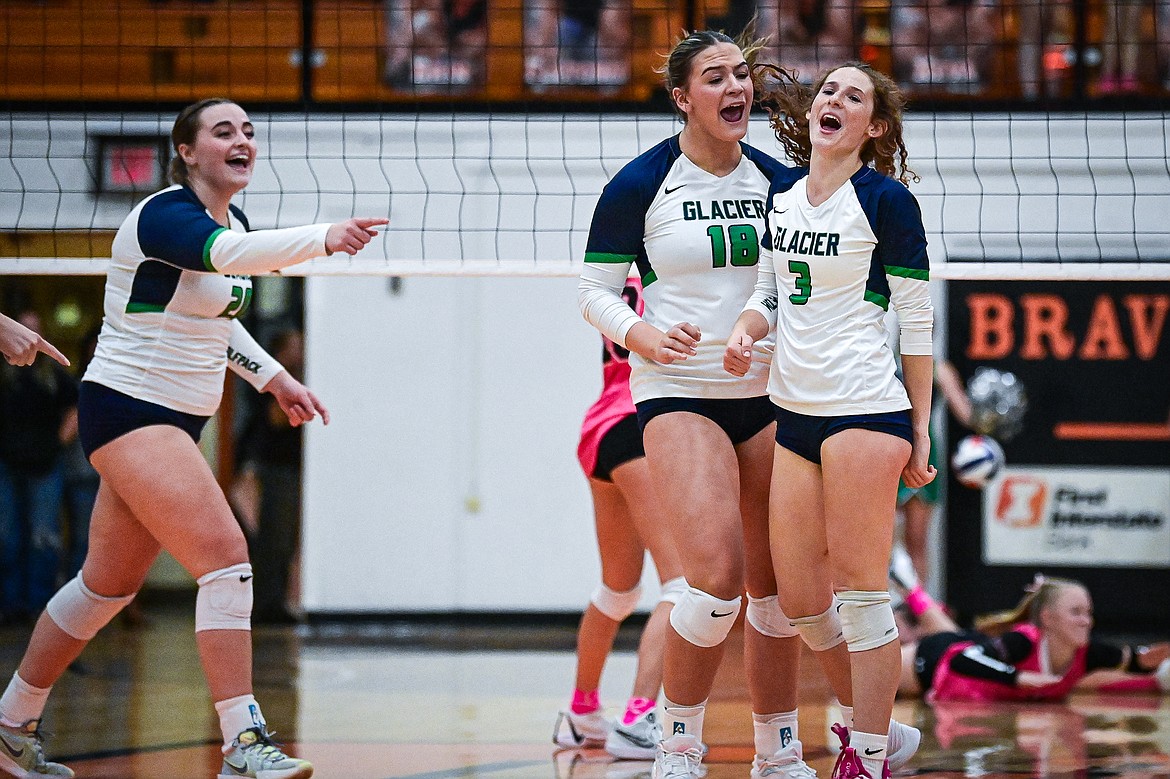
{"points": [[830, 123], [239, 163], [733, 113]]}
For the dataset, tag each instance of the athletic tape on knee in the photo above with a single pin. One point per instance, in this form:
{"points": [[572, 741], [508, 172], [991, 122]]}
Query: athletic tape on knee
{"points": [[703, 619], [867, 619], [224, 601], [765, 616], [821, 631], [616, 605], [673, 589], [81, 612]]}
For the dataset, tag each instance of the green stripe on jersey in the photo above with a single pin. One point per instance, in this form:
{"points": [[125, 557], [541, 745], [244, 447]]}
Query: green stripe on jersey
{"points": [[144, 308], [649, 279], [605, 257], [909, 273], [207, 249], [878, 300]]}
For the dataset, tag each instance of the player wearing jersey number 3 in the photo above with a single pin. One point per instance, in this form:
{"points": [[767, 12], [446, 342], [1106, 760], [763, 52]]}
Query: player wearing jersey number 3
{"points": [[844, 241], [177, 282]]}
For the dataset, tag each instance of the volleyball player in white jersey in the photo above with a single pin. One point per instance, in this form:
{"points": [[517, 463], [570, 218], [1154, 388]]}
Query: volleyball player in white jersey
{"points": [[613, 458], [177, 281], [689, 213], [845, 240]]}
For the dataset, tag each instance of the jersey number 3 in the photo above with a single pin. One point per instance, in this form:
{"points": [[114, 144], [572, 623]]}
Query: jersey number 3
{"points": [[803, 282], [743, 241]]}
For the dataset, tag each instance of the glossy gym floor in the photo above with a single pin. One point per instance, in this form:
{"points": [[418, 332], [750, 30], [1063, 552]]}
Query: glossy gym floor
{"points": [[402, 701]]}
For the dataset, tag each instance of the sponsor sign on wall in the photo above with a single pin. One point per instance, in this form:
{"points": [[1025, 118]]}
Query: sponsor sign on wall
{"points": [[1078, 516], [1086, 490]]}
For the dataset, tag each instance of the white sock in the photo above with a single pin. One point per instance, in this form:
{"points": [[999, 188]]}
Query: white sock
{"points": [[871, 748], [847, 716], [774, 732], [22, 702], [682, 720], [237, 715]]}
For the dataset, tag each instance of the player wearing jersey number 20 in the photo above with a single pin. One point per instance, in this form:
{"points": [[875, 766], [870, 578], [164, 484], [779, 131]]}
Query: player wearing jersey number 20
{"points": [[177, 281]]}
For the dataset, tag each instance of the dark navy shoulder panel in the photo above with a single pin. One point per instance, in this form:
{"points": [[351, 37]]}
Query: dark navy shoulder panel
{"points": [[154, 285], [782, 181], [174, 227], [767, 164], [619, 221], [895, 218], [240, 215]]}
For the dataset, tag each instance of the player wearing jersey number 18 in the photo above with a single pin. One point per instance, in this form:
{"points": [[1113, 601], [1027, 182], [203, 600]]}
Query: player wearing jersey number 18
{"points": [[688, 213], [845, 240], [177, 281]]}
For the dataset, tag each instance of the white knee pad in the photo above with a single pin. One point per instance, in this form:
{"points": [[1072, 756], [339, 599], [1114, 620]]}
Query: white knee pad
{"points": [[616, 605], [703, 619], [224, 601], [821, 631], [673, 589], [81, 612], [867, 619], [765, 616]]}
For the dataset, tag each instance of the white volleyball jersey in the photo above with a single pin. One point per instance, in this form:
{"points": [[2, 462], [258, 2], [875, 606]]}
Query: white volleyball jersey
{"points": [[695, 238], [169, 326], [827, 276]]}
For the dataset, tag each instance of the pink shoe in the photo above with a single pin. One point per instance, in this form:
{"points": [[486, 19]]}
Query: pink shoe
{"points": [[1130, 84], [849, 766]]}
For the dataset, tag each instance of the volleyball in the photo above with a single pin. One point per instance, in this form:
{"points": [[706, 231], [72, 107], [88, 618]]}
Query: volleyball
{"points": [[977, 459]]}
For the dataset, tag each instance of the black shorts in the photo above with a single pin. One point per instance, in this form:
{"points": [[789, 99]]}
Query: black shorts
{"points": [[803, 434], [620, 444], [740, 418], [104, 414], [931, 649]]}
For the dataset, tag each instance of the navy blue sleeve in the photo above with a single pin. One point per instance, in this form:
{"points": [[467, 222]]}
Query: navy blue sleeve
{"points": [[174, 228], [618, 230], [900, 233]]}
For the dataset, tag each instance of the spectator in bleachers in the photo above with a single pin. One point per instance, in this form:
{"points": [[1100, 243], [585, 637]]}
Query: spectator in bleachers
{"points": [[37, 407], [1122, 46], [945, 44], [1044, 37], [435, 44], [564, 42], [807, 36]]}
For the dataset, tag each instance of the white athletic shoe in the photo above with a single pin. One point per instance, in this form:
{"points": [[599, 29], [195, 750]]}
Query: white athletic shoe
{"points": [[22, 756], [580, 730], [255, 756], [636, 741], [679, 757], [788, 763], [902, 573]]}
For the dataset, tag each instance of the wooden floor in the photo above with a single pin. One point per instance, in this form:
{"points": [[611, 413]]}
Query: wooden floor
{"points": [[403, 703]]}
